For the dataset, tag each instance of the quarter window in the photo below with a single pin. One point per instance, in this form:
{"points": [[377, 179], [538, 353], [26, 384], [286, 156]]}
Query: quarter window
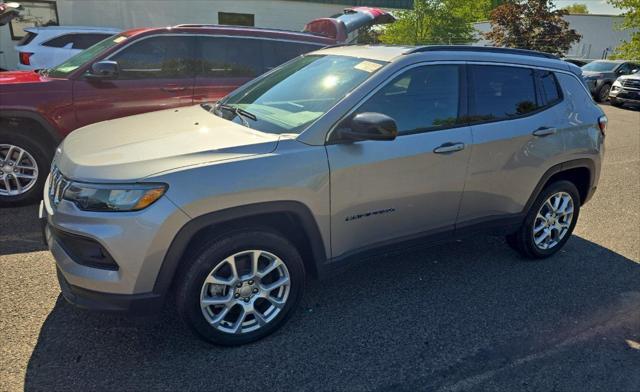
{"points": [[84, 41], [420, 99], [157, 57], [60, 41], [499, 92], [549, 91]]}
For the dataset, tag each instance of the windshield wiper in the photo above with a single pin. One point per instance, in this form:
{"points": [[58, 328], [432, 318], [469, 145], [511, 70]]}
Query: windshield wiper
{"points": [[241, 113]]}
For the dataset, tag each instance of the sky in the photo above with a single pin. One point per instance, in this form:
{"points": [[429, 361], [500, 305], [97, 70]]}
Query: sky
{"points": [[595, 6]]}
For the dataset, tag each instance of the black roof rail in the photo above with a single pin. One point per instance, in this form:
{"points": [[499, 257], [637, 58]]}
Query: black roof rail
{"points": [[483, 49]]}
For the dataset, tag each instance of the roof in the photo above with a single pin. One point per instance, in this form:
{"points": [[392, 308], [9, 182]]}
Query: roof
{"points": [[373, 52], [405, 4], [234, 30], [73, 28]]}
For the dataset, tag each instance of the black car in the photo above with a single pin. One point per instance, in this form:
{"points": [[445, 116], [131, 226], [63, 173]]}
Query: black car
{"points": [[599, 75]]}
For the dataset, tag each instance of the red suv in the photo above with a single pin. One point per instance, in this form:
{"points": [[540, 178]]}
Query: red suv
{"points": [[139, 71]]}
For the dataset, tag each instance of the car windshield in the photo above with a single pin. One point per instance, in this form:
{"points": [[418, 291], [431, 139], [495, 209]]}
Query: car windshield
{"points": [[297, 93], [600, 66], [63, 70]]}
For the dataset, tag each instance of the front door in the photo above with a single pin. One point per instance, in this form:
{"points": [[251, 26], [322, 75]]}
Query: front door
{"points": [[155, 73], [390, 190]]}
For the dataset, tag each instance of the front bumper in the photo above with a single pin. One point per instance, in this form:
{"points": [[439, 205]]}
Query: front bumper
{"points": [[137, 242], [625, 95]]}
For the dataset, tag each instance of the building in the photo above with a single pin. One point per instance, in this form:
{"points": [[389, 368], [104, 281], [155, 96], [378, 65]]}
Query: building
{"points": [[600, 35], [126, 14]]}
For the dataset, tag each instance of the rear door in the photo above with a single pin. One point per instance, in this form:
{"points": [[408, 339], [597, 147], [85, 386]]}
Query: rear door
{"points": [[514, 114], [229, 62], [390, 190], [155, 73]]}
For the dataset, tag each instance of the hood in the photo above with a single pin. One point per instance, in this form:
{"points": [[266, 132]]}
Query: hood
{"points": [[635, 76], [132, 148], [18, 77]]}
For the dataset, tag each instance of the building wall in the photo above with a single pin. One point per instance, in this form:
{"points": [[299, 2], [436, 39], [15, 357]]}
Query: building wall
{"points": [[599, 35], [126, 14]]}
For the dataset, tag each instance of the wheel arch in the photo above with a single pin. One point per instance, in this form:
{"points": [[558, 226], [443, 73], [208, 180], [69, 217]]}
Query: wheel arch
{"points": [[41, 128], [578, 171], [291, 218]]}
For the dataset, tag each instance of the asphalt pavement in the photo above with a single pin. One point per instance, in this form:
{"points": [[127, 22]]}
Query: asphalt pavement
{"points": [[464, 316]]}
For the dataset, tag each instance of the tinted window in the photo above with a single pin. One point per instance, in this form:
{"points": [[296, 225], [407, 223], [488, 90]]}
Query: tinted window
{"points": [[419, 99], [231, 57], [83, 41], [158, 57], [27, 38], [500, 92], [234, 19], [549, 91], [61, 41], [278, 52], [600, 66]]}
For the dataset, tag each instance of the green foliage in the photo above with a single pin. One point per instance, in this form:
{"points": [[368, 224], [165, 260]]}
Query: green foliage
{"points": [[531, 24], [436, 22], [629, 50], [577, 8]]}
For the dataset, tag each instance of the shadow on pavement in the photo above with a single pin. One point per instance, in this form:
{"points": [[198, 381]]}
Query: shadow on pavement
{"points": [[20, 230], [463, 315]]}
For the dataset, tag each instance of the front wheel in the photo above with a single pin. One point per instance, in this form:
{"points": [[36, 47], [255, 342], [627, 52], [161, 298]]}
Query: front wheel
{"points": [[549, 222], [241, 287], [603, 93], [24, 166]]}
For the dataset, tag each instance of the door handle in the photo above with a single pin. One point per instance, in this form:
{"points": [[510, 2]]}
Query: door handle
{"points": [[449, 147], [174, 89], [544, 131]]}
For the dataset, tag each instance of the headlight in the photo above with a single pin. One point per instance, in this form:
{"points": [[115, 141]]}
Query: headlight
{"points": [[617, 84], [113, 197]]}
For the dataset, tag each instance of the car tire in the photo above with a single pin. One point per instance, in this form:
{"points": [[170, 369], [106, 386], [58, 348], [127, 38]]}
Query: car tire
{"points": [[615, 102], [35, 155], [207, 287], [602, 93], [547, 226]]}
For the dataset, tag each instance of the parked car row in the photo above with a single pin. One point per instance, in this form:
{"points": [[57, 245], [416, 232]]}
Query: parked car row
{"points": [[138, 71], [600, 75], [228, 207]]}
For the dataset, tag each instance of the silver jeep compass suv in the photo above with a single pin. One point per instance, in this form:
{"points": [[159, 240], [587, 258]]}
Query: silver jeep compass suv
{"points": [[229, 206]]}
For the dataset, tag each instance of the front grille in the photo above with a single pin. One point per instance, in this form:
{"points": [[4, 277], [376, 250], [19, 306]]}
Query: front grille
{"points": [[631, 83], [57, 185]]}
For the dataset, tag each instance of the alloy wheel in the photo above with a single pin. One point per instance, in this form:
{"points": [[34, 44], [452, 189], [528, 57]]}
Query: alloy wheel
{"points": [[245, 292], [553, 220], [18, 170], [604, 92]]}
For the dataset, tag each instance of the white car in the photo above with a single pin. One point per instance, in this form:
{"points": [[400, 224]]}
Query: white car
{"points": [[46, 47]]}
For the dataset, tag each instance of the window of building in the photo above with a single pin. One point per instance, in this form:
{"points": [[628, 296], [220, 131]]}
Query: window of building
{"points": [[35, 14], [500, 92], [157, 57], [420, 99], [235, 19]]}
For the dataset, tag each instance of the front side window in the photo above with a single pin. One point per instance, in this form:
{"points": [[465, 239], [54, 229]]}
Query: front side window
{"points": [[500, 92], [82, 58], [298, 93], [157, 57], [420, 99]]}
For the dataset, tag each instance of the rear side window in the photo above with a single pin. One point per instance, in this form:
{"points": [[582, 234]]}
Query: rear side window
{"points": [[231, 57], [420, 99], [84, 41], [157, 57], [26, 40], [500, 92], [60, 41], [549, 89]]}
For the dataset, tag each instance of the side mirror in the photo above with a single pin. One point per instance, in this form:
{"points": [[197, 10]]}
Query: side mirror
{"points": [[370, 126], [103, 70]]}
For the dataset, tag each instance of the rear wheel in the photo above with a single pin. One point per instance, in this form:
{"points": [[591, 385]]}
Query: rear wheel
{"points": [[549, 223], [24, 166], [241, 287]]}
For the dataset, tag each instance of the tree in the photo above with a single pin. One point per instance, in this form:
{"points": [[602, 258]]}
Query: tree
{"points": [[629, 50], [436, 22], [531, 24], [577, 8]]}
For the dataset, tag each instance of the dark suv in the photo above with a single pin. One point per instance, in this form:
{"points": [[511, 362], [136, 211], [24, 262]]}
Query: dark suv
{"points": [[139, 71], [599, 75]]}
